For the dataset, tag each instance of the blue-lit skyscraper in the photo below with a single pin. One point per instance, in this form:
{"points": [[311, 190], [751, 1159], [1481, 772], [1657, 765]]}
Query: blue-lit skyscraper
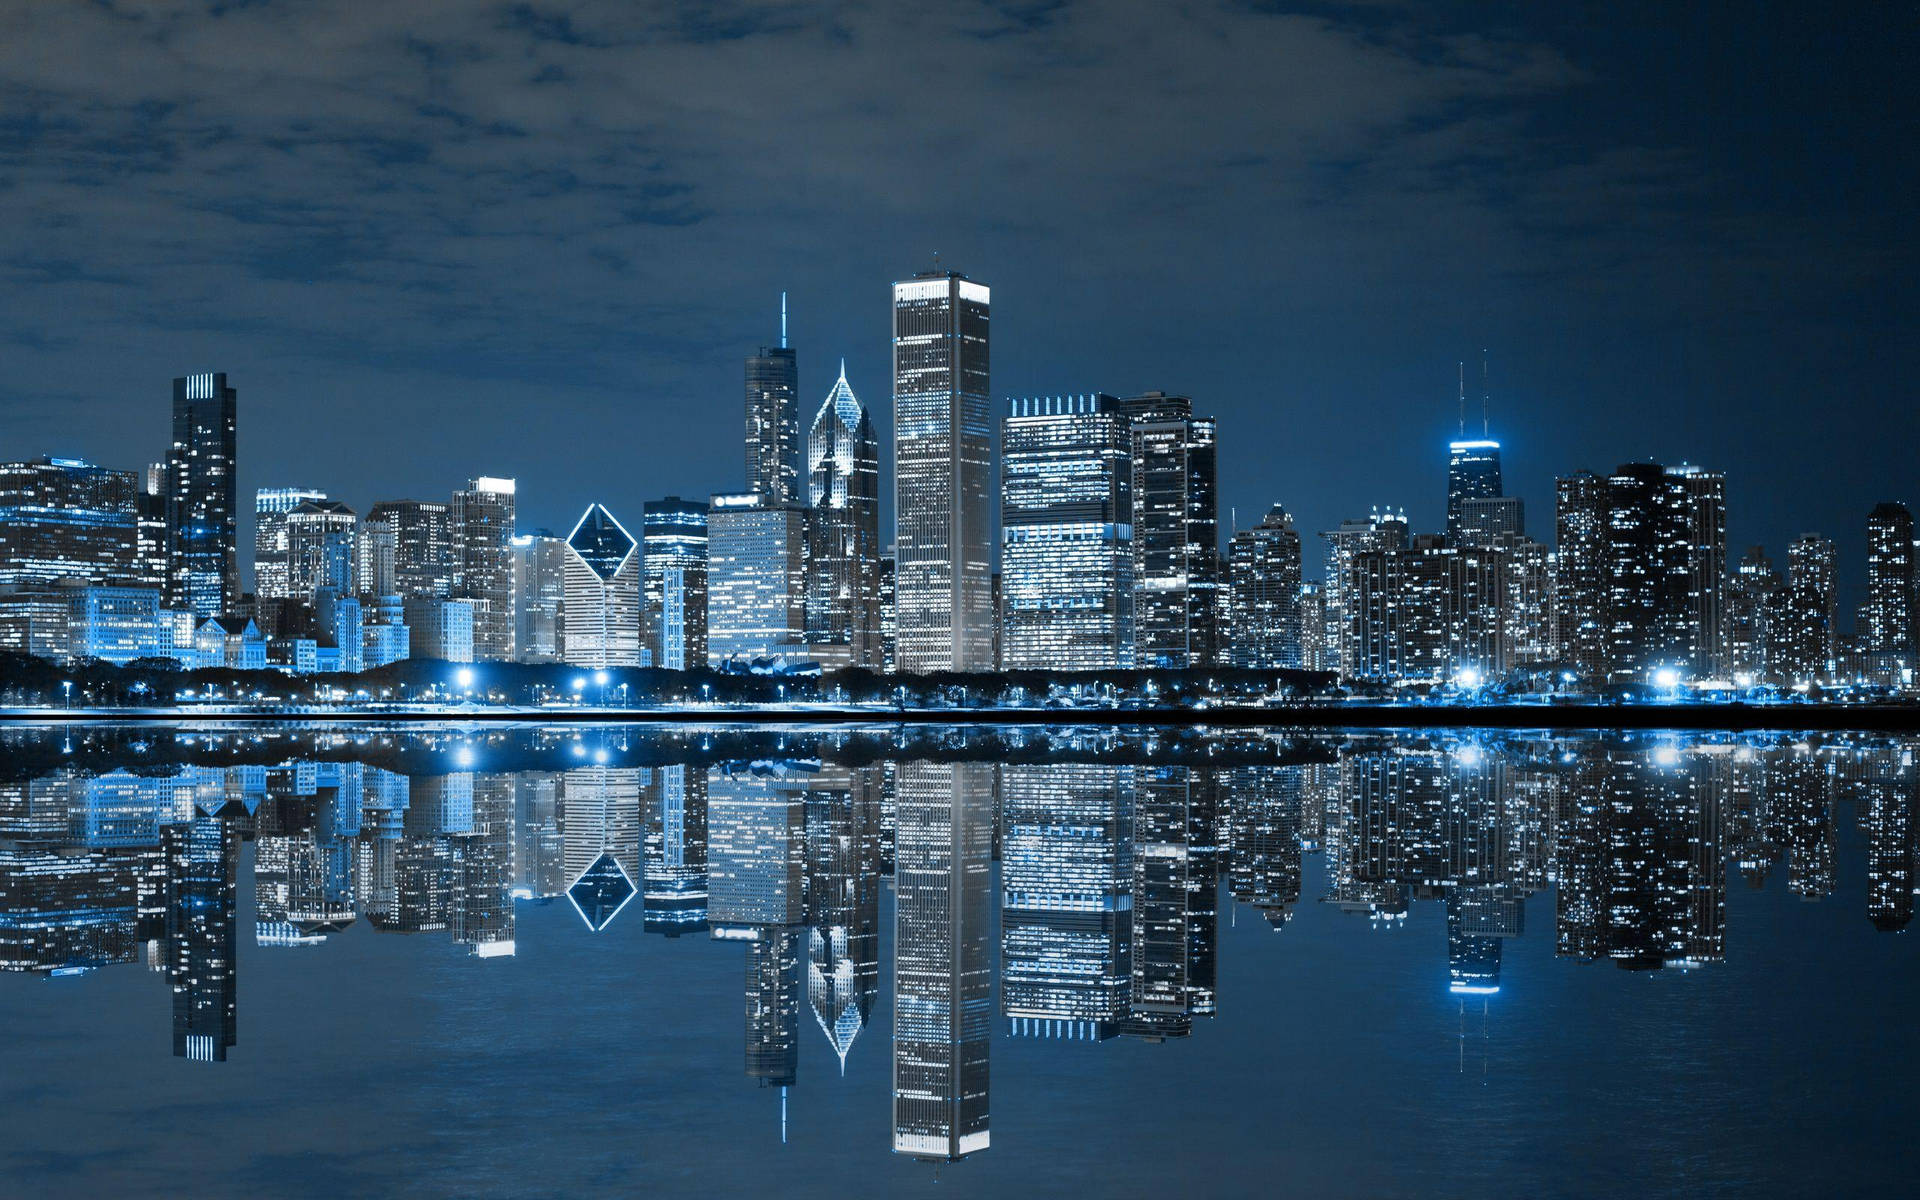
{"points": [[843, 533], [65, 519], [1473, 473], [203, 557], [602, 610], [674, 581], [202, 858], [271, 555]]}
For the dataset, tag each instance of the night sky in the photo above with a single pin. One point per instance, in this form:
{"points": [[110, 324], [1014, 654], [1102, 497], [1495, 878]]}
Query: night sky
{"points": [[536, 240]]}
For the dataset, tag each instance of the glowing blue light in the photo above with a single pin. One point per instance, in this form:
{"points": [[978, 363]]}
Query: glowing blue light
{"points": [[600, 677], [579, 683], [464, 676], [1666, 677]]}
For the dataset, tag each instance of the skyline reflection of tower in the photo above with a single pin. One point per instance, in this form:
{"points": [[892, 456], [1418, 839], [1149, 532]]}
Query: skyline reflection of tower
{"points": [[1175, 902], [202, 862], [942, 984], [843, 903]]}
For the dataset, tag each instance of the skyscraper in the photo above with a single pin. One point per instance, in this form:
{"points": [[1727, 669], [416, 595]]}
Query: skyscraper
{"points": [[674, 584], [1814, 563], [756, 580], [539, 596], [1702, 500], [426, 551], [1264, 570], [1649, 574], [1748, 590], [943, 969], [320, 537], [270, 509], [1580, 570], [1178, 601], [203, 497], [483, 516], [1473, 473], [773, 420], [602, 593], [1887, 624], [65, 519], [943, 469], [843, 554], [1066, 552], [1383, 530], [202, 860]]}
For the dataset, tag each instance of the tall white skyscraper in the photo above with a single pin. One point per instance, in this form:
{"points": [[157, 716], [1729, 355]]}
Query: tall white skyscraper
{"points": [[943, 470]]}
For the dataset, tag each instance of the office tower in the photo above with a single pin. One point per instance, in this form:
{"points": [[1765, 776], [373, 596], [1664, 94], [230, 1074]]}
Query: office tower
{"points": [[943, 470], [773, 1007], [483, 524], [150, 519], [1176, 533], [1066, 542], [373, 560], [1748, 590], [1263, 566], [942, 979], [1264, 851], [1813, 562], [674, 863], [889, 618], [843, 554], [773, 421], [539, 596], [384, 637], [843, 903], [756, 848], [674, 581], [439, 629], [321, 536], [1887, 624], [1702, 500], [271, 507], [1429, 611], [203, 504], [65, 519], [602, 593], [1383, 530], [202, 858], [756, 580], [1066, 880], [1486, 520], [1473, 472], [426, 553], [1580, 571], [66, 909], [599, 814]]}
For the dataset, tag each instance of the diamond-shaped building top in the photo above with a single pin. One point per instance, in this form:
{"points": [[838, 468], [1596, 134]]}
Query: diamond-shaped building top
{"points": [[601, 542], [602, 890]]}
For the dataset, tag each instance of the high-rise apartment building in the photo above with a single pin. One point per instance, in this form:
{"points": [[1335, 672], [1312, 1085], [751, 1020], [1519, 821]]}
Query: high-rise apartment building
{"points": [[321, 537], [1887, 620], [1178, 600], [1383, 530], [539, 596], [1580, 571], [1749, 588], [271, 507], [203, 497], [483, 515], [843, 551], [1263, 565], [943, 470], [674, 582], [1813, 562], [602, 593], [1066, 550]]}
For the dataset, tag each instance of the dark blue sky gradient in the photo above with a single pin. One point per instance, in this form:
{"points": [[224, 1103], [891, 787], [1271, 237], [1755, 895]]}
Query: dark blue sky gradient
{"points": [[536, 241]]}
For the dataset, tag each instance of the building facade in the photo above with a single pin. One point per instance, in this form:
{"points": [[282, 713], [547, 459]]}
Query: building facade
{"points": [[1264, 565], [843, 536], [674, 586], [203, 560], [1178, 594], [602, 594]]}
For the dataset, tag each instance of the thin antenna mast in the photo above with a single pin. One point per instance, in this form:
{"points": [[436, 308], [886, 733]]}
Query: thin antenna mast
{"points": [[783, 320], [1483, 395], [1463, 398]]}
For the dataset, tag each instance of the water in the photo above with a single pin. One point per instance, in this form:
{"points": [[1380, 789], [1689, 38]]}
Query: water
{"points": [[345, 960]]}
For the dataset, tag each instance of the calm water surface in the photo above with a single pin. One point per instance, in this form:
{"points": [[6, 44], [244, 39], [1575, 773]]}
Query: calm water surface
{"points": [[626, 960]]}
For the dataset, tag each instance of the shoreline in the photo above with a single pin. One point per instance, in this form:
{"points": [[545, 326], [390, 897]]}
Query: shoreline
{"points": [[1732, 718]]}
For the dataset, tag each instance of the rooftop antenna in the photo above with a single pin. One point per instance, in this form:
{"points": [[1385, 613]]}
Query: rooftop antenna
{"points": [[783, 320], [1483, 395], [1463, 398]]}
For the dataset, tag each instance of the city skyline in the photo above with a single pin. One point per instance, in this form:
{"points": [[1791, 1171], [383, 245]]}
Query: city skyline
{"points": [[1535, 187]]}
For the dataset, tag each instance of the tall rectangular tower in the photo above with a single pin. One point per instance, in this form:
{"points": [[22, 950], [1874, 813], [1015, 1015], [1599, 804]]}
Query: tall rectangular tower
{"points": [[203, 561], [943, 472], [1176, 533], [483, 516], [773, 423]]}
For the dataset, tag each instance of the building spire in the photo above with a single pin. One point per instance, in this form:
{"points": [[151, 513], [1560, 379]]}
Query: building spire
{"points": [[783, 320], [1485, 429], [1463, 398]]}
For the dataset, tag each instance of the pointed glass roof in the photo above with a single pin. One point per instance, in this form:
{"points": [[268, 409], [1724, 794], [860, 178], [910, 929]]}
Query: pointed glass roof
{"points": [[601, 542]]}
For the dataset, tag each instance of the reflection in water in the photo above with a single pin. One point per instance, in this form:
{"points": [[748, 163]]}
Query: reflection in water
{"points": [[1110, 869]]}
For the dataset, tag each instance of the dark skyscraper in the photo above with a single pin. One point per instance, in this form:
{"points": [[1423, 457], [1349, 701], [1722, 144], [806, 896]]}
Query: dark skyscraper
{"points": [[1264, 571], [1473, 473], [1580, 571], [674, 581], [483, 517], [1176, 533], [426, 552], [773, 421], [202, 859], [203, 558]]}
